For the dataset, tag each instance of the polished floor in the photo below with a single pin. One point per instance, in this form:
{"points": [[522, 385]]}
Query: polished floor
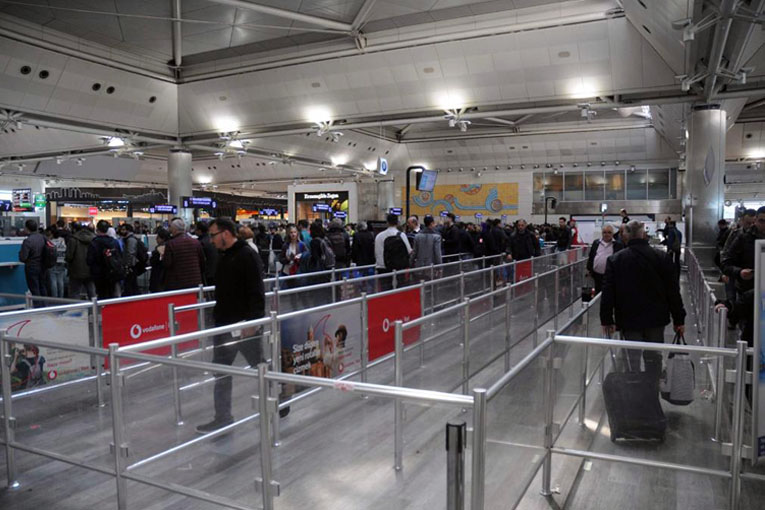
{"points": [[337, 448]]}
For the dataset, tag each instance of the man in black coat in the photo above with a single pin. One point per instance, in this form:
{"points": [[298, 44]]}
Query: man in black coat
{"points": [[239, 296], [563, 235], [599, 252], [523, 244], [451, 236], [640, 294], [363, 246], [211, 253]]}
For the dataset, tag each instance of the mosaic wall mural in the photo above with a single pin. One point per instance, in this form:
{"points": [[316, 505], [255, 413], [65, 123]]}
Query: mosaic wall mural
{"points": [[490, 200]]}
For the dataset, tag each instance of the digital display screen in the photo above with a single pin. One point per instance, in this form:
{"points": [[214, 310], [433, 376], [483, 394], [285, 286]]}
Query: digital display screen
{"points": [[395, 210], [427, 180], [341, 214], [22, 200], [163, 209], [6, 206], [199, 202], [269, 212], [321, 207]]}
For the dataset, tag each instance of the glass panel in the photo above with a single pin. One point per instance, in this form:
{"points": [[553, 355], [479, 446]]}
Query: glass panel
{"points": [[574, 189], [636, 185], [658, 184], [615, 185], [594, 185], [554, 186], [539, 187], [673, 183]]}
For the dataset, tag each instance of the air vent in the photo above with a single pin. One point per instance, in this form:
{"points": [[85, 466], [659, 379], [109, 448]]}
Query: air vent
{"points": [[153, 99], [43, 74], [646, 29], [96, 87], [25, 70], [110, 90], [564, 54]]}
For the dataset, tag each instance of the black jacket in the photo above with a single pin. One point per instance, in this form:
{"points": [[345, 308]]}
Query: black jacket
{"points": [[95, 257], [466, 241], [641, 288], [618, 245], [211, 258], [363, 249], [239, 290], [563, 237], [523, 245], [451, 237], [740, 255], [496, 241]]}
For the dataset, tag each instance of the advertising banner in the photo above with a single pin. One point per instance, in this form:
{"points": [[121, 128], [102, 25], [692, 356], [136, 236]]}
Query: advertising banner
{"points": [[33, 366], [383, 312], [758, 388], [523, 271], [323, 344], [139, 321]]}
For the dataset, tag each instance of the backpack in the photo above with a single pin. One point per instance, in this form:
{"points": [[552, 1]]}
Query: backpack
{"points": [[337, 240], [141, 257], [49, 255], [114, 270], [395, 254], [328, 258]]}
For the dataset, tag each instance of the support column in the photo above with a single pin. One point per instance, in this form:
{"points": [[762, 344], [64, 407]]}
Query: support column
{"points": [[179, 181], [704, 180]]}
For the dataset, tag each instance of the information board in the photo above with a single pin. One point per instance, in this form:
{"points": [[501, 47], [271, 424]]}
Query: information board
{"points": [[163, 209], [22, 200], [199, 203], [758, 388]]}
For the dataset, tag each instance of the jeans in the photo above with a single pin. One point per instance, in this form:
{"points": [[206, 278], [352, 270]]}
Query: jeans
{"points": [[131, 285], [652, 359], [77, 285], [107, 289], [56, 276], [35, 276], [225, 350]]}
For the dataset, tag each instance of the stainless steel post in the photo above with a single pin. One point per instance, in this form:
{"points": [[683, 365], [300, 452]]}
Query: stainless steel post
{"points": [[398, 409], [265, 438], [508, 338], [394, 280], [571, 295], [738, 422], [174, 354], [466, 346], [536, 310], [583, 399], [422, 314], [95, 361], [276, 366], [456, 434], [118, 427], [9, 422], [549, 407], [28, 300], [479, 449], [364, 336], [722, 317], [432, 290], [462, 286], [276, 307], [710, 321], [334, 287], [556, 299], [200, 313]]}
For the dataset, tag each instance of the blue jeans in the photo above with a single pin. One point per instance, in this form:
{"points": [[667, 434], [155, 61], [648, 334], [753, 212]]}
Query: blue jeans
{"points": [[35, 276], [56, 276]]}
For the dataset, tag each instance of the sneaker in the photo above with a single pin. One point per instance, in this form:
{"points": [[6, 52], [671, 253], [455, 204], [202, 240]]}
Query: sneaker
{"points": [[213, 426], [284, 411]]}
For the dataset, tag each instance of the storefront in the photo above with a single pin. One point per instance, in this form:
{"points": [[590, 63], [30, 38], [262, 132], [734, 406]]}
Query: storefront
{"points": [[323, 201]]}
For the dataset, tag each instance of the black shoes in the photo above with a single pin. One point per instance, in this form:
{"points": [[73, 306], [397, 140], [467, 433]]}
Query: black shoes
{"points": [[213, 426], [284, 411]]}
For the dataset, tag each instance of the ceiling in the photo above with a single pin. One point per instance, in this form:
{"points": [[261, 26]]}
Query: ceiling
{"points": [[532, 81]]}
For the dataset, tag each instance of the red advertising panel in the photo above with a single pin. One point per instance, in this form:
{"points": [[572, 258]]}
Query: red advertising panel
{"points": [[384, 311], [522, 270], [573, 255], [139, 321]]}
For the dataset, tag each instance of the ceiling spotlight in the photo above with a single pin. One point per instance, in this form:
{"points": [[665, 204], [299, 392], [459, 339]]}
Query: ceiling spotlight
{"points": [[589, 163], [535, 165], [616, 163], [323, 127], [20, 166], [336, 136], [523, 167], [602, 163], [225, 136], [576, 165], [632, 168], [114, 141], [79, 161], [497, 167], [452, 123], [548, 165], [561, 165], [59, 160], [220, 155]]}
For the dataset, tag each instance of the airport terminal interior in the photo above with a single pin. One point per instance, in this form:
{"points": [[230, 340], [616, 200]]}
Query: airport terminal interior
{"points": [[477, 375]]}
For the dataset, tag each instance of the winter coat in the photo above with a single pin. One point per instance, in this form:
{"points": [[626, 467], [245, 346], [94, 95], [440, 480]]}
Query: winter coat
{"points": [[427, 248], [77, 254]]}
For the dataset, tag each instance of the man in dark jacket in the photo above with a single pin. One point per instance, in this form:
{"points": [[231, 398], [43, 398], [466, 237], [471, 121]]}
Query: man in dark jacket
{"points": [[184, 260], [523, 244], [210, 252], [100, 251], [466, 242], [77, 262], [239, 296], [31, 255], [451, 236], [363, 246], [496, 241], [599, 252], [640, 294], [130, 258], [340, 242], [563, 235]]}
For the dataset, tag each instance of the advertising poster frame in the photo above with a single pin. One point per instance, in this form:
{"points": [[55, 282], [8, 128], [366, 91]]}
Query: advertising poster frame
{"points": [[383, 311], [758, 358]]}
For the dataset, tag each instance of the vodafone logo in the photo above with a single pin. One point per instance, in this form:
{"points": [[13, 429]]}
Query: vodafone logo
{"points": [[388, 324], [52, 375], [135, 331]]}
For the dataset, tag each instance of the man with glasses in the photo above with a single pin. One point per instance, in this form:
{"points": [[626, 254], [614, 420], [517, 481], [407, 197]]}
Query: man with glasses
{"points": [[599, 252], [239, 296]]}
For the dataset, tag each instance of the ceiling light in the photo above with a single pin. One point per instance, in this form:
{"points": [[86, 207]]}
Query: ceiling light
{"points": [[479, 174], [535, 166], [602, 163], [463, 124], [336, 136], [79, 161], [616, 163], [589, 163], [115, 141], [632, 168], [555, 171], [59, 160], [452, 123], [548, 165], [20, 166], [220, 155]]}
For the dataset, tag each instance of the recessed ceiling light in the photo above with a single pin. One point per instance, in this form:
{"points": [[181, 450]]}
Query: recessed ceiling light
{"points": [[428, 70], [564, 54]]}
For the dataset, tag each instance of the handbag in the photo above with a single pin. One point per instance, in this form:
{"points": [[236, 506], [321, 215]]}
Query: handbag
{"points": [[678, 381]]}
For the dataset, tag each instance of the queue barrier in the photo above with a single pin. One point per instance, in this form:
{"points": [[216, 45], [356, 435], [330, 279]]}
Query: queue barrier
{"points": [[122, 471]]}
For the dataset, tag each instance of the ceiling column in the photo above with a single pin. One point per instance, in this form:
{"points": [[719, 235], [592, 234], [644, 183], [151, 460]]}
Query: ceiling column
{"points": [[704, 188], [179, 182]]}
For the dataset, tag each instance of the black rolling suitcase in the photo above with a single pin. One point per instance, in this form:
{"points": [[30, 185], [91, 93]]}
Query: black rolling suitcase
{"points": [[633, 406]]}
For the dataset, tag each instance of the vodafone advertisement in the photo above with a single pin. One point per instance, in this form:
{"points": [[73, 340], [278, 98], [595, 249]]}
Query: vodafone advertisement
{"points": [[383, 312], [135, 322], [523, 270]]}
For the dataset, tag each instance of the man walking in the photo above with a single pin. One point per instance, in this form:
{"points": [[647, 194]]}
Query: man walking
{"points": [[239, 296], [427, 245], [523, 244], [31, 255], [640, 294], [599, 252], [563, 235], [184, 259], [104, 259]]}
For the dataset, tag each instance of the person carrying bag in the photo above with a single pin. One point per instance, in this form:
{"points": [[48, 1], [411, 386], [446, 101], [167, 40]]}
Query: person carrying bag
{"points": [[678, 380]]}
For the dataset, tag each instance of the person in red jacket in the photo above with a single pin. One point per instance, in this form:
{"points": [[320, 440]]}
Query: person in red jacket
{"points": [[183, 260]]}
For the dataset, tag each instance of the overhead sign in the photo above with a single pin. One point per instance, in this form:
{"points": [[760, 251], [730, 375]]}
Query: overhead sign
{"points": [[199, 202], [395, 210], [22, 200], [269, 212], [163, 209], [341, 214], [478, 215], [321, 207], [444, 213], [382, 166], [40, 200], [6, 205]]}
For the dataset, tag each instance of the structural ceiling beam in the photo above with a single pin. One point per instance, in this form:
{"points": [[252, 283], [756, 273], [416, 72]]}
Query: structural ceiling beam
{"points": [[287, 14]]}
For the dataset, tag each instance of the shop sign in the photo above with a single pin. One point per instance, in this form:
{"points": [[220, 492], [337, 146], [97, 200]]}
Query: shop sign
{"points": [[383, 312], [163, 209], [341, 214], [92, 211], [40, 200], [324, 195]]}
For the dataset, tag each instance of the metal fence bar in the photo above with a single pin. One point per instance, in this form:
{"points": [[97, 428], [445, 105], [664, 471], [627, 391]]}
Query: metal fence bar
{"points": [[398, 418], [456, 434], [737, 429], [9, 422], [119, 447], [479, 449]]}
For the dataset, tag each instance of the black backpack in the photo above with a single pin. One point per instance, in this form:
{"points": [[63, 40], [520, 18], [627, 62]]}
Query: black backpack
{"points": [[395, 254], [141, 257], [49, 255], [114, 270], [337, 240]]}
